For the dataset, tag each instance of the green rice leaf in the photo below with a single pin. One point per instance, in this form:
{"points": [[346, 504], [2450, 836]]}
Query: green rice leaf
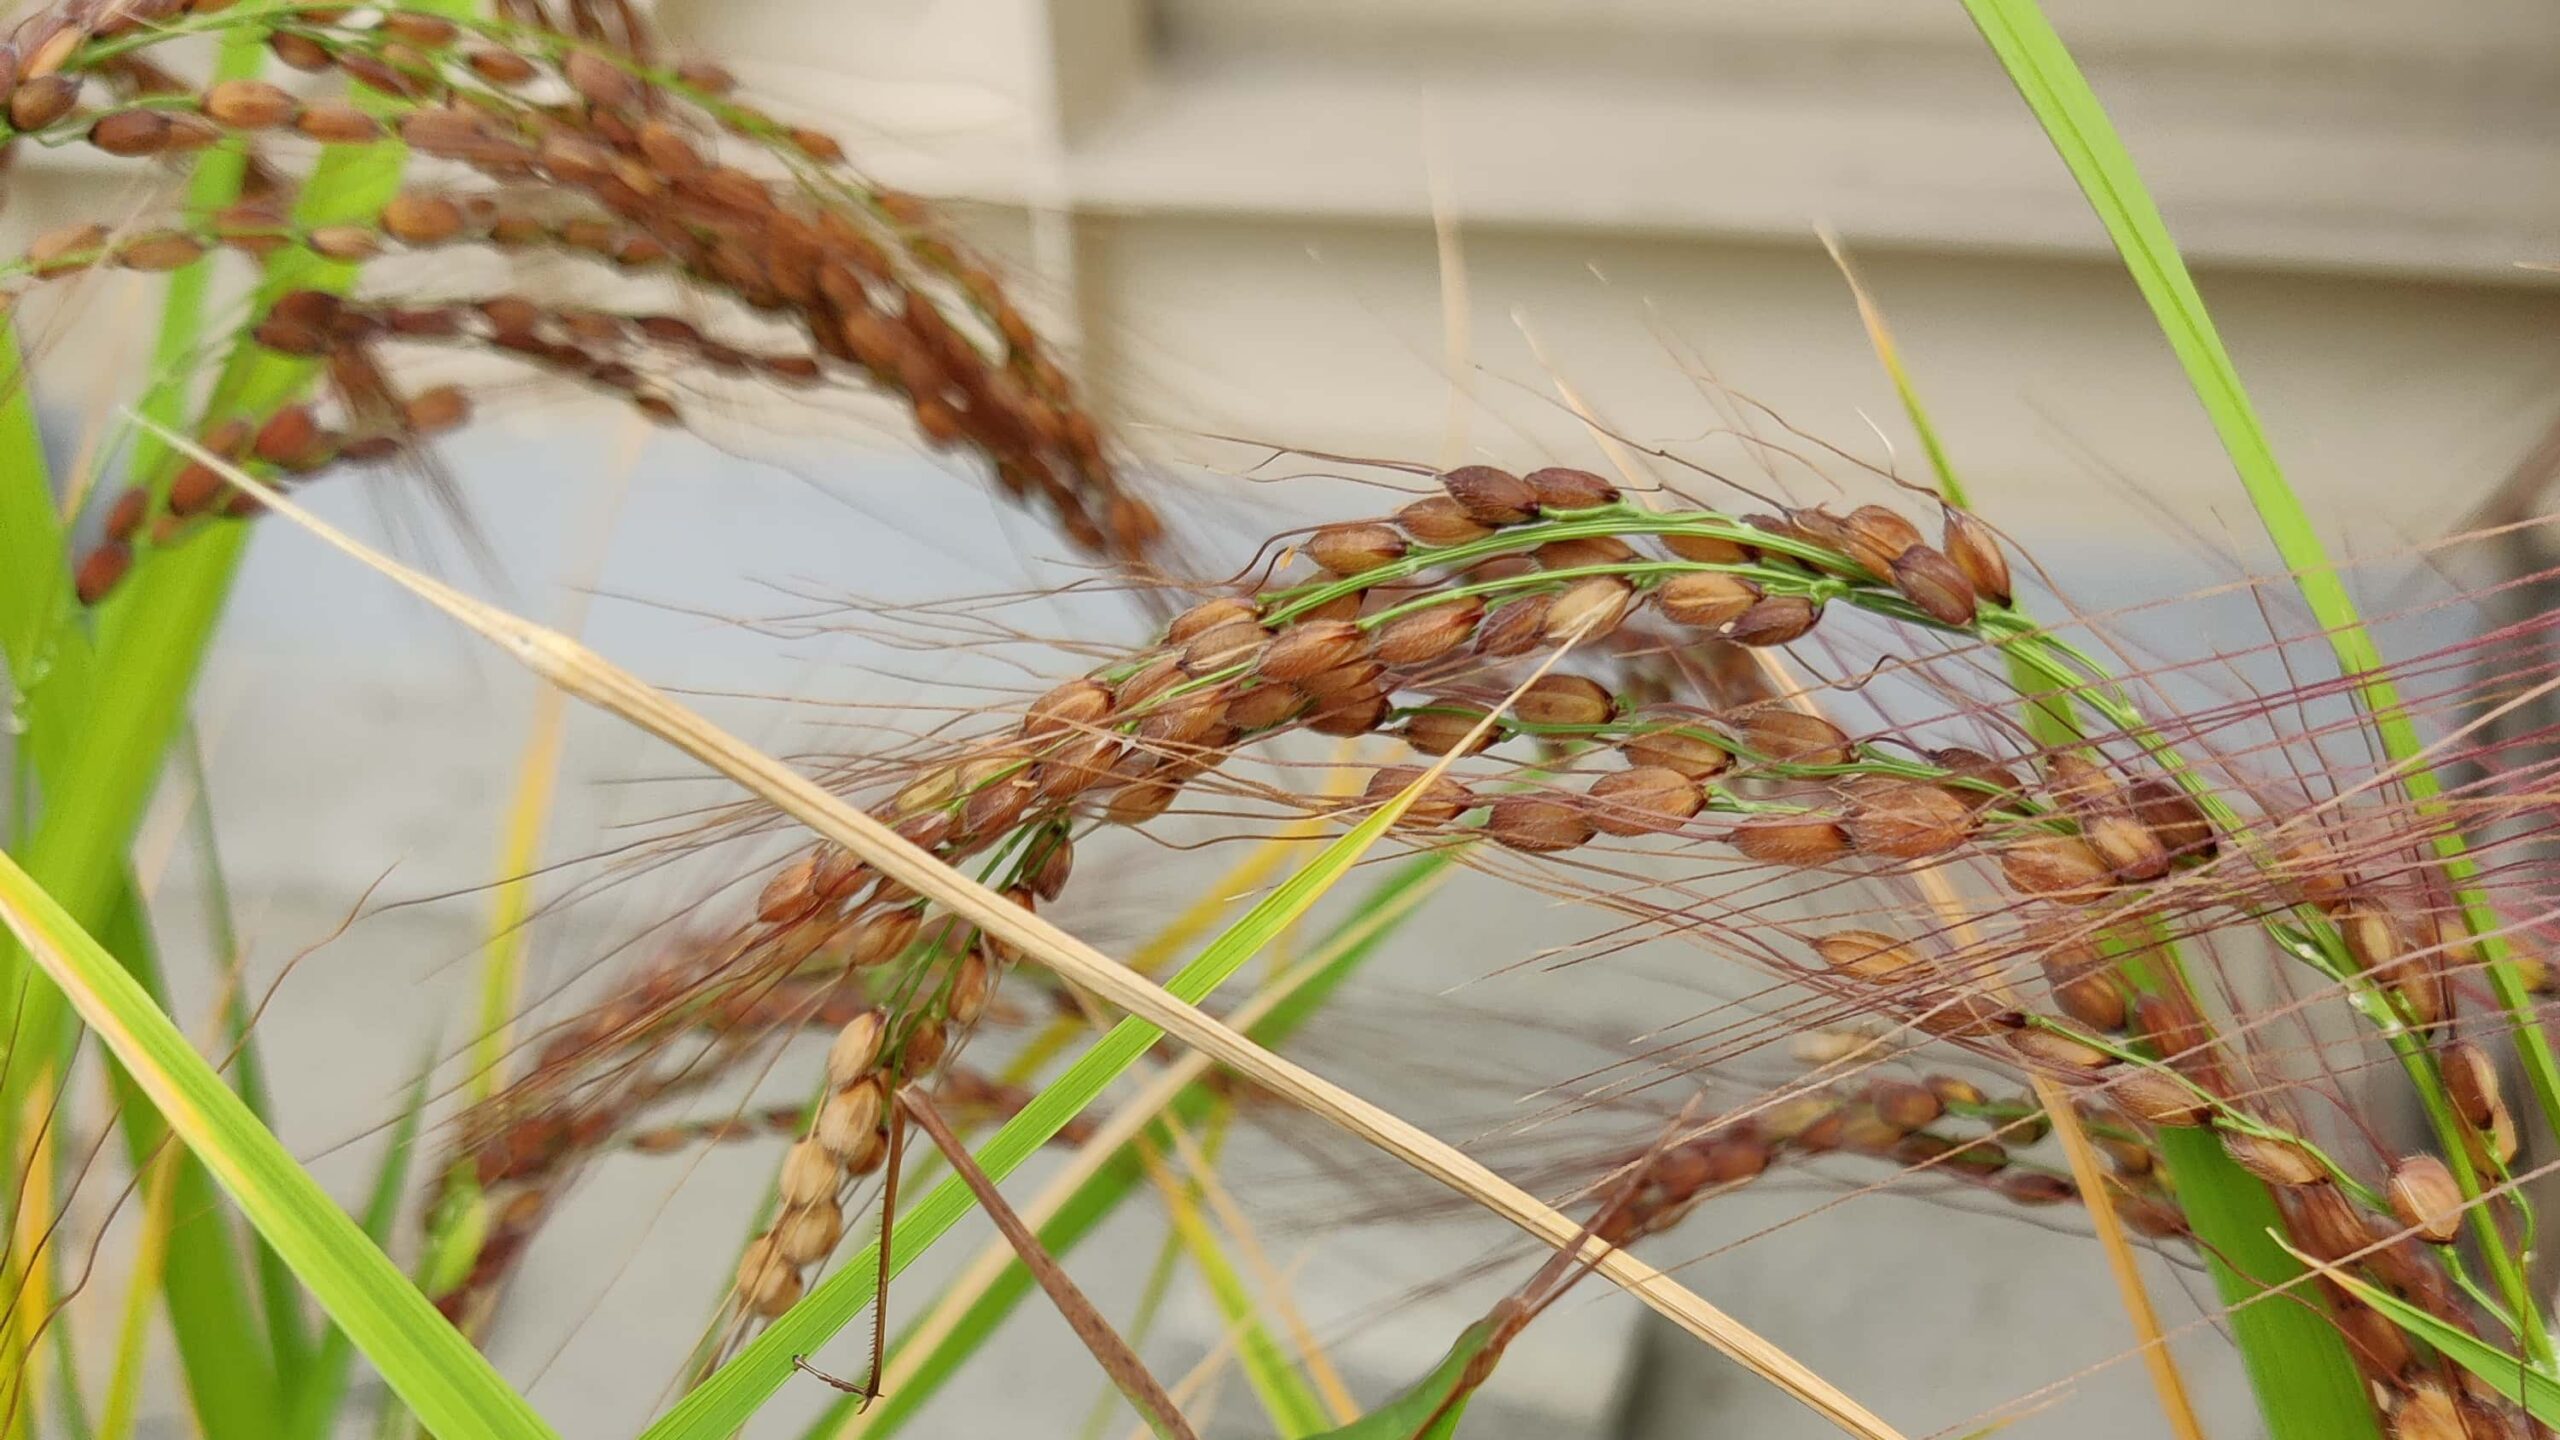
{"points": [[323, 1388], [1431, 1409], [433, 1369], [2053, 87], [2510, 1376], [35, 583], [2304, 1381], [231, 1379], [278, 1296], [99, 722]]}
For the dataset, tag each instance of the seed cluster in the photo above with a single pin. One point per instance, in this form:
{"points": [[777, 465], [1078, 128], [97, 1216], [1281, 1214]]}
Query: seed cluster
{"points": [[1905, 1122], [2083, 838], [848, 1140], [1412, 625], [572, 142], [964, 1094], [2408, 948], [1116, 746], [1494, 569], [591, 1082], [2149, 1058], [828, 937], [946, 992]]}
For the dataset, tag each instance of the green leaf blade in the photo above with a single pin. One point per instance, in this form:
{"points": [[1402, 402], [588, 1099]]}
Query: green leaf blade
{"points": [[432, 1368], [231, 1383], [2052, 85], [1431, 1408], [322, 1390], [2507, 1374]]}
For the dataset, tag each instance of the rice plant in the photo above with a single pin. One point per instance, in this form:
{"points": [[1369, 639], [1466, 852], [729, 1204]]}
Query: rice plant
{"points": [[2034, 919]]}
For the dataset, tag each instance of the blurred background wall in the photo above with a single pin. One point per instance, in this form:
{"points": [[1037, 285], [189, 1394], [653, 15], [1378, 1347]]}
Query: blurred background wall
{"points": [[1231, 203], [1401, 228]]}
